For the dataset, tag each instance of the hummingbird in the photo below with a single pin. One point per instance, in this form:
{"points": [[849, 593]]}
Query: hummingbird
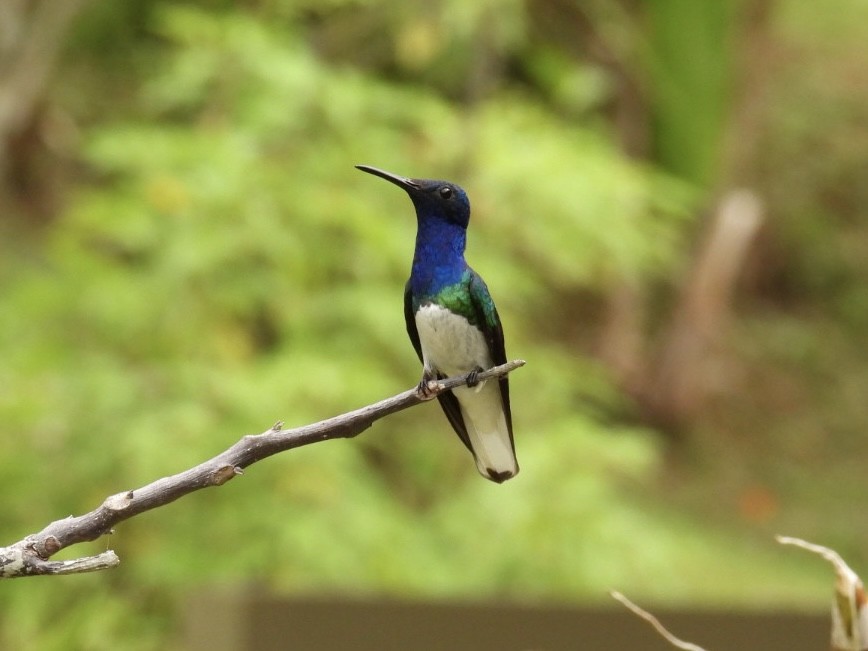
{"points": [[453, 324]]}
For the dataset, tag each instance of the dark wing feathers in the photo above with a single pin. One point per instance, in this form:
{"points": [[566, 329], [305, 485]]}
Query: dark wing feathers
{"points": [[410, 318], [489, 321]]}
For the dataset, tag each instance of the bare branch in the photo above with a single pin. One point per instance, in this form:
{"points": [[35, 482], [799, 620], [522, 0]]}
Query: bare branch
{"points": [[648, 617], [29, 556], [18, 560]]}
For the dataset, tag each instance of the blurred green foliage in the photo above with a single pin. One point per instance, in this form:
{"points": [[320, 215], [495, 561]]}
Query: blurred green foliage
{"points": [[692, 93], [222, 266]]}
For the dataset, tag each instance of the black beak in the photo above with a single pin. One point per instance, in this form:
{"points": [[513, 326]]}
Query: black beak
{"points": [[401, 181]]}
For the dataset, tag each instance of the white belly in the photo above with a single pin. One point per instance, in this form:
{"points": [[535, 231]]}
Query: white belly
{"points": [[450, 344]]}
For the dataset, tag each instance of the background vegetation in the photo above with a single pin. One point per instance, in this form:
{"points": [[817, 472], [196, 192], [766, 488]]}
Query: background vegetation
{"points": [[187, 255]]}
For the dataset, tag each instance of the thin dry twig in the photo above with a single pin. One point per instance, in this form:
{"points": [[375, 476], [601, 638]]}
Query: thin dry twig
{"points": [[29, 557], [648, 617], [850, 604], [829, 554]]}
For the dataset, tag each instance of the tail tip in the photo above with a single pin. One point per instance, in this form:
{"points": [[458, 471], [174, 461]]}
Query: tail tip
{"points": [[500, 476]]}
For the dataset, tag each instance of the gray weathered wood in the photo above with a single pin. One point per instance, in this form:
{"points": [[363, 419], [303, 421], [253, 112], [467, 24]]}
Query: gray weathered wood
{"points": [[29, 557]]}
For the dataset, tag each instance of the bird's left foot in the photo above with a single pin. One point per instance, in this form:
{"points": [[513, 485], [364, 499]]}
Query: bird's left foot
{"points": [[473, 377]]}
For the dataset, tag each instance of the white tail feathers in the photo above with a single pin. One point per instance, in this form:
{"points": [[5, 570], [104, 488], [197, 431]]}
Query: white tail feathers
{"points": [[482, 410]]}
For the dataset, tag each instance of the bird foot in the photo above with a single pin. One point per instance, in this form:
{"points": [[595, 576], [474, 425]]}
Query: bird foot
{"points": [[472, 378], [427, 387]]}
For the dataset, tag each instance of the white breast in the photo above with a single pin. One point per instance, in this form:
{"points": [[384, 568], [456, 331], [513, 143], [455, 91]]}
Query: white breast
{"points": [[450, 344]]}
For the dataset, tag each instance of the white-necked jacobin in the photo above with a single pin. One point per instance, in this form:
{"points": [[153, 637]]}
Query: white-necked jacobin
{"points": [[454, 325]]}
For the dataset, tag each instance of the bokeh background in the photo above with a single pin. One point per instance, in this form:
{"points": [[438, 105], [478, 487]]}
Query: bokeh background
{"points": [[669, 205]]}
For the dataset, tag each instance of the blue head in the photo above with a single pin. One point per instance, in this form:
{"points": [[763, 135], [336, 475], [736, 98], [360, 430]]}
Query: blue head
{"points": [[442, 214]]}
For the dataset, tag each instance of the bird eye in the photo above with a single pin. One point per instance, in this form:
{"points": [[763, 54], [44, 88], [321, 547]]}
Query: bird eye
{"points": [[446, 192]]}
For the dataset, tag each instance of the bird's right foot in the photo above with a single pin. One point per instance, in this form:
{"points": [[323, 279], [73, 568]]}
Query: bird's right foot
{"points": [[427, 387]]}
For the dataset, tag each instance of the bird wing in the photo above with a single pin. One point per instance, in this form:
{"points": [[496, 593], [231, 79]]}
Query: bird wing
{"points": [[447, 399], [489, 322], [410, 318]]}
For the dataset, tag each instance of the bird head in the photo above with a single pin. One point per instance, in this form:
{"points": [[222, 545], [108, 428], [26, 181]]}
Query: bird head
{"points": [[434, 200]]}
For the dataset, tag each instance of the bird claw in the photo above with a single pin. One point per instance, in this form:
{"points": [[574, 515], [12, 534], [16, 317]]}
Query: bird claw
{"points": [[428, 387], [472, 378]]}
